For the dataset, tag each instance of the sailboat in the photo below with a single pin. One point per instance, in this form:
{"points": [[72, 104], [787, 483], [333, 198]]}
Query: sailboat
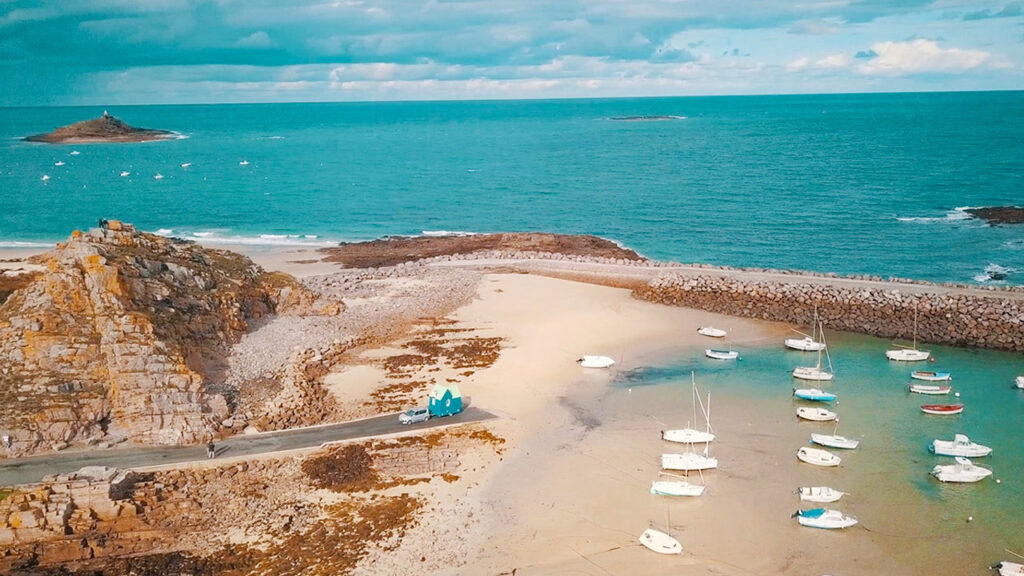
{"points": [[679, 487], [807, 343], [816, 372], [912, 354], [691, 435], [833, 440], [659, 541]]}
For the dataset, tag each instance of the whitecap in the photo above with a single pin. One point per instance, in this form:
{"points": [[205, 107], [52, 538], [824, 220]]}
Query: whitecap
{"points": [[23, 244], [446, 233], [164, 232], [955, 215], [74, 153]]}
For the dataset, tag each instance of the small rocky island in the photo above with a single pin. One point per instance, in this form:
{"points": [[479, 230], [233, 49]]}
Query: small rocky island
{"points": [[106, 128], [998, 214]]}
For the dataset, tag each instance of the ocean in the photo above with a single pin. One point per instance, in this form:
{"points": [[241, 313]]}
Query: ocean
{"points": [[853, 184]]}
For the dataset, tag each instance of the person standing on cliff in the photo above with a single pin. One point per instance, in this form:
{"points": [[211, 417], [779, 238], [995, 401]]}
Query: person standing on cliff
{"points": [[211, 450]]}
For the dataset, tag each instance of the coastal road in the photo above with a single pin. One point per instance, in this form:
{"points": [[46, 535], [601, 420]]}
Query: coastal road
{"points": [[33, 468]]}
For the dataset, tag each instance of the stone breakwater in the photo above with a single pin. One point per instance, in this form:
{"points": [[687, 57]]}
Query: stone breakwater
{"points": [[975, 318]]}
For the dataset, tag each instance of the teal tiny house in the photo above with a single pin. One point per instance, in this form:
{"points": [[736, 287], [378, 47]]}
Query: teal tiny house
{"points": [[445, 400]]}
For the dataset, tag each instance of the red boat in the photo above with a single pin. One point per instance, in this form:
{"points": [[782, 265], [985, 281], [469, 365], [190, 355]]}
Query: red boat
{"points": [[942, 408]]}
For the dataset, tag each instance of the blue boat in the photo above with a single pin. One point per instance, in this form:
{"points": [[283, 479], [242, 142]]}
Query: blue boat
{"points": [[814, 394]]}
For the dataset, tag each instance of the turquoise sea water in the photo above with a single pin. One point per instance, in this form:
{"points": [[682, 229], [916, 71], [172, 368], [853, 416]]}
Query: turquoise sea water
{"points": [[835, 183], [920, 522]]}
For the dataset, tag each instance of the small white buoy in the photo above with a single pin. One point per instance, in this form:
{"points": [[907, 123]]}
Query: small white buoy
{"points": [[998, 481], [970, 518], [630, 390]]}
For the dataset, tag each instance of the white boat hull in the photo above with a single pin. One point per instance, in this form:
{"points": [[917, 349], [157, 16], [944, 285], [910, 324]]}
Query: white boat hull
{"points": [[907, 355], [963, 471], [813, 394], [811, 373], [815, 414], [820, 494], [829, 519], [818, 457], [960, 446], [711, 332], [596, 362], [675, 488], [930, 389], [687, 436], [688, 461], [660, 542], [833, 441], [1010, 569], [721, 354], [804, 344], [1019, 382]]}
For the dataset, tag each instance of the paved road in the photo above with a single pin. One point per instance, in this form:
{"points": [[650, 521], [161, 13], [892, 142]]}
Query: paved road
{"points": [[32, 469]]}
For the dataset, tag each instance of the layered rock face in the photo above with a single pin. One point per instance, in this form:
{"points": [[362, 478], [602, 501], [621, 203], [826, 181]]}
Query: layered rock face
{"points": [[944, 316], [118, 338]]}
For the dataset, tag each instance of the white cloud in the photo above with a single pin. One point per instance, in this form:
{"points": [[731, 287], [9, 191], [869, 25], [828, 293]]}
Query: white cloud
{"points": [[799, 63], [833, 62], [258, 39], [921, 56]]}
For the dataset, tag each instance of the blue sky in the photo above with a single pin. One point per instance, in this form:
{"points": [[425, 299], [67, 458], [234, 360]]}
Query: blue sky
{"points": [[105, 52]]}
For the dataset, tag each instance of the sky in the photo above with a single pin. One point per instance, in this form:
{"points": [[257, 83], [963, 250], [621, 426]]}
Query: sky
{"points": [[107, 52]]}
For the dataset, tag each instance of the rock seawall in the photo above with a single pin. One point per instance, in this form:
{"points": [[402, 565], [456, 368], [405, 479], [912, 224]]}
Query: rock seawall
{"points": [[945, 316]]}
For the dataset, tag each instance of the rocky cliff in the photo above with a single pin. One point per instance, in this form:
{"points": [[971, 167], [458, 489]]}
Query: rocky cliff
{"points": [[120, 336]]}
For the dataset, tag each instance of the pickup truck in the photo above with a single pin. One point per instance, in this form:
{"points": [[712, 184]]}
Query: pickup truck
{"points": [[414, 415]]}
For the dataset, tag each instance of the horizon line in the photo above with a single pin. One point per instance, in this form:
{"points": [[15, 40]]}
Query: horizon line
{"points": [[557, 98]]}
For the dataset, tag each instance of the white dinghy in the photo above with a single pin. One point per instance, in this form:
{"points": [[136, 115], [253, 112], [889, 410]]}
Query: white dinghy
{"points": [[721, 354], [660, 542], [822, 494], [932, 389], [824, 518], [596, 362], [963, 471], [960, 445], [818, 457], [711, 331], [1019, 382], [815, 414]]}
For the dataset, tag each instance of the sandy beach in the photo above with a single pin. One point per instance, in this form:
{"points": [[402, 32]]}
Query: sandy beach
{"points": [[570, 492]]}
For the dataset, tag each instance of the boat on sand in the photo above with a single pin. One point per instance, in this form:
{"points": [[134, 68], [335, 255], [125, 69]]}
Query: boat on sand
{"points": [[834, 441], [824, 518], [721, 354], [1009, 569], [822, 494], [711, 331], [815, 414], [595, 362], [817, 457], [660, 542]]}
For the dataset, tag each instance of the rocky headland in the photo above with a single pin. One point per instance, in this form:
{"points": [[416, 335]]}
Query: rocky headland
{"points": [[123, 336], [106, 128]]}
